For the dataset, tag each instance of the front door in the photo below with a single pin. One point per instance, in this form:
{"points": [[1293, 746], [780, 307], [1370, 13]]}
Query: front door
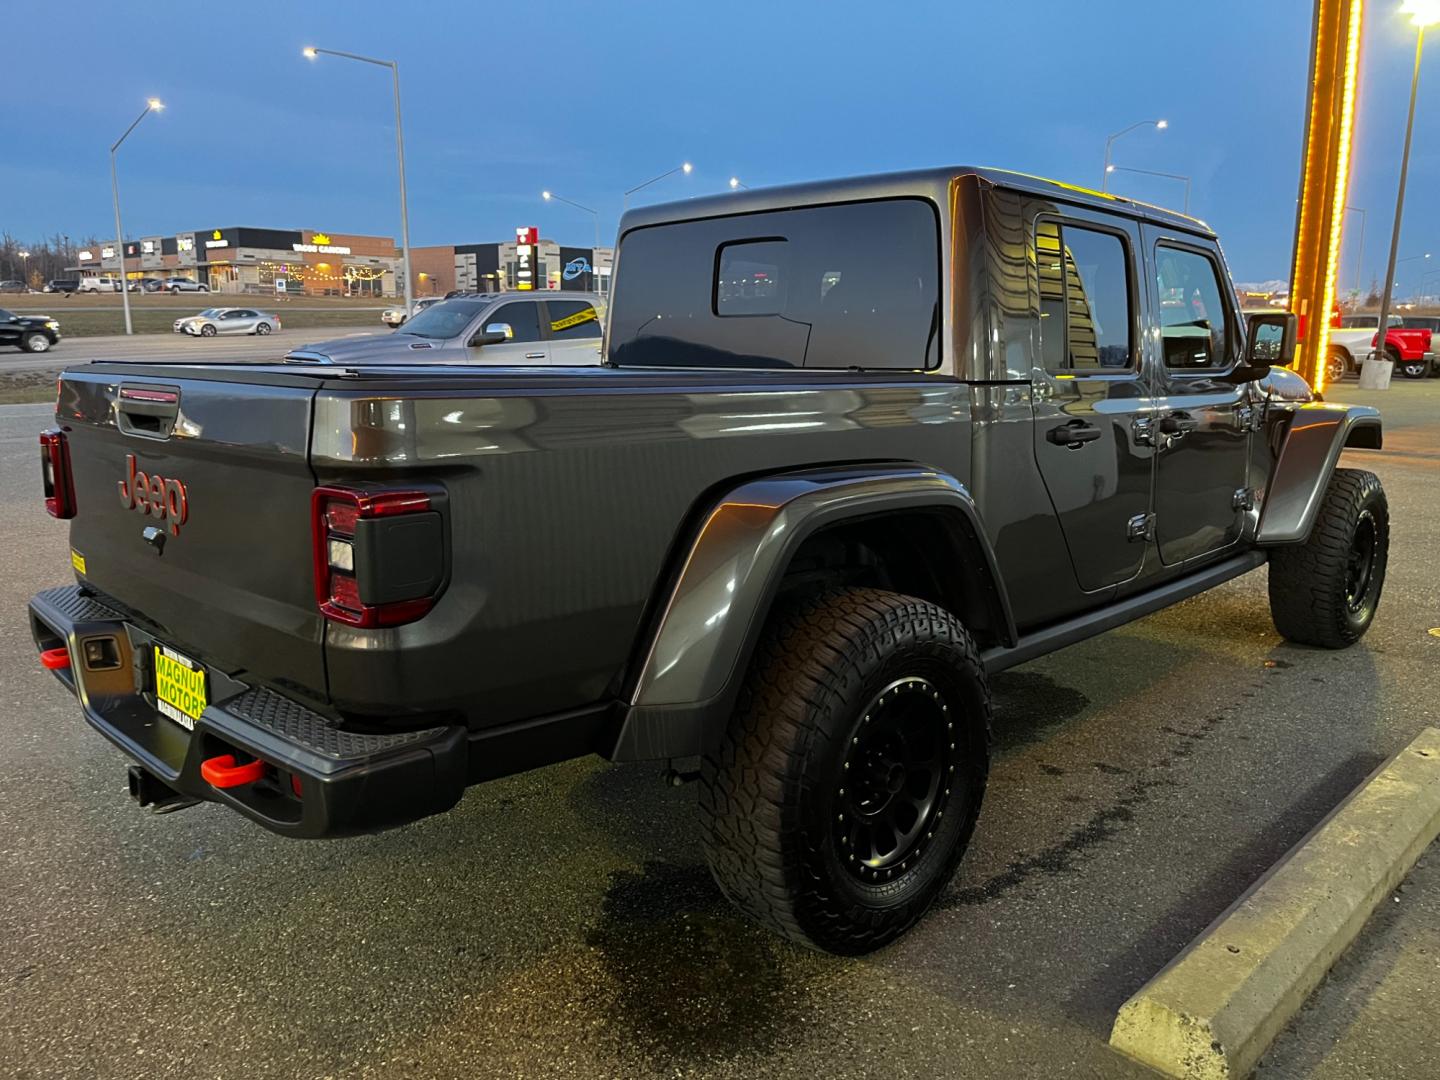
{"points": [[526, 345], [1092, 393], [1202, 426]]}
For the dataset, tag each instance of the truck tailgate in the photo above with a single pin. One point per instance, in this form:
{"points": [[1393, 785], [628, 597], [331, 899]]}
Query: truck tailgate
{"points": [[192, 495]]}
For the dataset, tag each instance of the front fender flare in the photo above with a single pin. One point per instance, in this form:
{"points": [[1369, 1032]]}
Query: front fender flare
{"points": [[712, 617], [1313, 442]]}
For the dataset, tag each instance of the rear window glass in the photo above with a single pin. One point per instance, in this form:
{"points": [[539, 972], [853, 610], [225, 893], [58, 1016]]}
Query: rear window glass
{"points": [[850, 285]]}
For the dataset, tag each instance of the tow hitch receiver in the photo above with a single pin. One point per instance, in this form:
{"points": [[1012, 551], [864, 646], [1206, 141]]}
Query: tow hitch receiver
{"points": [[151, 791], [55, 659], [222, 772]]}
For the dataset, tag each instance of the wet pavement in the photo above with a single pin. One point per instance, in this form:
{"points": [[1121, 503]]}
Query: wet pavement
{"points": [[561, 923]]}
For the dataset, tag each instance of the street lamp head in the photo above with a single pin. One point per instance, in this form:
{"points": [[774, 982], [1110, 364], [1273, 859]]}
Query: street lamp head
{"points": [[686, 167], [734, 182], [308, 52], [155, 104], [1422, 12], [545, 195], [1162, 124], [1109, 168]]}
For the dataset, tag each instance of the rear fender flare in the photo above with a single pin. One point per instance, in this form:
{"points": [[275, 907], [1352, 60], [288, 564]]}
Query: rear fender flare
{"points": [[1313, 442], [708, 625]]}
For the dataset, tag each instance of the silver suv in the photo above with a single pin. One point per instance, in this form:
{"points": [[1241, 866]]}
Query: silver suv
{"points": [[561, 329]]}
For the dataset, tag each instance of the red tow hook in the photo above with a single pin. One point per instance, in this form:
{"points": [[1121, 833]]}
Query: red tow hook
{"points": [[222, 772], [55, 659]]}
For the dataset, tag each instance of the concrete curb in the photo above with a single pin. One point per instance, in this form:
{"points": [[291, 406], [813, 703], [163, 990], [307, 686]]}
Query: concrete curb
{"points": [[1214, 1009]]}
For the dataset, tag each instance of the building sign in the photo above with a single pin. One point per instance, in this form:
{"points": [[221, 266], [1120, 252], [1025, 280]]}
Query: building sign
{"points": [[147, 247], [526, 240], [575, 267], [187, 243], [320, 244], [216, 240], [86, 255], [107, 253]]}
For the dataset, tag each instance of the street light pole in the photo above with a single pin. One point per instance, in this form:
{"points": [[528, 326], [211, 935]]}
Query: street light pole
{"points": [[153, 105], [549, 195], [310, 52], [25, 268], [1421, 12], [1359, 255], [1152, 172], [684, 167], [1160, 125]]}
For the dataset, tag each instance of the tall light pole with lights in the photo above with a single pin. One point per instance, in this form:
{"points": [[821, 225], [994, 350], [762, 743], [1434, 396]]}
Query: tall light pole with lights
{"points": [[1158, 125], [684, 167], [1422, 13], [311, 52], [735, 184], [153, 105], [548, 196], [1152, 172]]}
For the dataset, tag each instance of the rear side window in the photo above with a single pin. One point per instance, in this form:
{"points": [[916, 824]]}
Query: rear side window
{"points": [[523, 318], [570, 319], [1194, 331], [852, 285], [1084, 278]]}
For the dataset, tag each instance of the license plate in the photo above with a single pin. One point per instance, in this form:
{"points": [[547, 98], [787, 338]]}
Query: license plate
{"points": [[179, 687]]}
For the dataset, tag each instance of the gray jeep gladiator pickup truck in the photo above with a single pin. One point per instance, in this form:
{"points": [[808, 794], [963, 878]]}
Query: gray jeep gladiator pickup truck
{"points": [[853, 447]]}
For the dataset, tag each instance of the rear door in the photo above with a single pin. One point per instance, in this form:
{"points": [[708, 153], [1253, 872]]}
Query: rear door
{"points": [[527, 343], [1092, 393], [574, 332], [237, 321], [1202, 427], [227, 575]]}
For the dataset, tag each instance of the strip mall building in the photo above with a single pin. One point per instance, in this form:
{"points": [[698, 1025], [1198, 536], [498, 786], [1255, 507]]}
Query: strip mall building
{"points": [[313, 262]]}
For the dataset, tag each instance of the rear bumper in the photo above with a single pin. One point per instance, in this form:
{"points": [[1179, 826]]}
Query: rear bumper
{"points": [[319, 780]]}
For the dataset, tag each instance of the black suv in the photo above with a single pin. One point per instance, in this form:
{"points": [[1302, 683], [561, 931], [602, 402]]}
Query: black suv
{"points": [[33, 333], [65, 286]]}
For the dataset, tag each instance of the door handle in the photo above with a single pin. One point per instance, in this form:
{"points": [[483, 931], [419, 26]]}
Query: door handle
{"points": [[534, 356], [1073, 434], [1178, 424]]}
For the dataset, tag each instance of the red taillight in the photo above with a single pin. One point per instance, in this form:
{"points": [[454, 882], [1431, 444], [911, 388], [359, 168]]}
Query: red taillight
{"points": [[336, 514], [55, 475]]}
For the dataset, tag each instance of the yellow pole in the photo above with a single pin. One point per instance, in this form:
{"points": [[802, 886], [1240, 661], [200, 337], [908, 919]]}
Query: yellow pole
{"points": [[1324, 176]]}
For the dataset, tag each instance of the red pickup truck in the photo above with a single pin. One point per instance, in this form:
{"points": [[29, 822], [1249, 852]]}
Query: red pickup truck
{"points": [[1408, 346]]}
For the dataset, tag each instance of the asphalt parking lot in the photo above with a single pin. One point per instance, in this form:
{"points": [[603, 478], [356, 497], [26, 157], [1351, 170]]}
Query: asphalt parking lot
{"points": [[561, 923]]}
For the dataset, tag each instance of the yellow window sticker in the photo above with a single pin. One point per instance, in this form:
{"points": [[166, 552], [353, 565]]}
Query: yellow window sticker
{"points": [[573, 320]]}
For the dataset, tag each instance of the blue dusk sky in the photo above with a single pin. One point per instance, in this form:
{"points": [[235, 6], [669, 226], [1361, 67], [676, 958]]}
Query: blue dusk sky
{"points": [[588, 99]]}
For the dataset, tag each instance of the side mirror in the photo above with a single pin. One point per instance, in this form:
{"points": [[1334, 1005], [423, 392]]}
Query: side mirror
{"points": [[1269, 343], [495, 333]]}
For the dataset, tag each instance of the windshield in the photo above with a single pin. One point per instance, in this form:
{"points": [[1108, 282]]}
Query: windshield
{"points": [[209, 312], [5, 315], [445, 320]]}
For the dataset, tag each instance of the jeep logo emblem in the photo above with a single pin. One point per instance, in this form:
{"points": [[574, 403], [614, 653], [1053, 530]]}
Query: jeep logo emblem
{"points": [[155, 496]]}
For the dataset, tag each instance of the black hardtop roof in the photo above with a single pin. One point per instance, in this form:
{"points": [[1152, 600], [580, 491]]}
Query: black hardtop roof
{"points": [[932, 183]]}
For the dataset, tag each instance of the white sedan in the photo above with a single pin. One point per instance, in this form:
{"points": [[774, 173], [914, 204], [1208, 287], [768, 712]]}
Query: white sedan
{"points": [[395, 316], [235, 320]]}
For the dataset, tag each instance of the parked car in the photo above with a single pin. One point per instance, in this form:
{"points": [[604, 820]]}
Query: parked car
{"points": [[854, 446], [63, 286], [501, 328], [147, 284], [395, 316], [1432, 324], [1409, 348], [13, 287], [236, 320], [91, 283], [183, 284], [31, 333]]}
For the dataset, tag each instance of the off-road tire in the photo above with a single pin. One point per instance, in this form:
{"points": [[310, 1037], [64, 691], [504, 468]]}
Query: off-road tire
{"points": [[772, 791], [1313, 598]]}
